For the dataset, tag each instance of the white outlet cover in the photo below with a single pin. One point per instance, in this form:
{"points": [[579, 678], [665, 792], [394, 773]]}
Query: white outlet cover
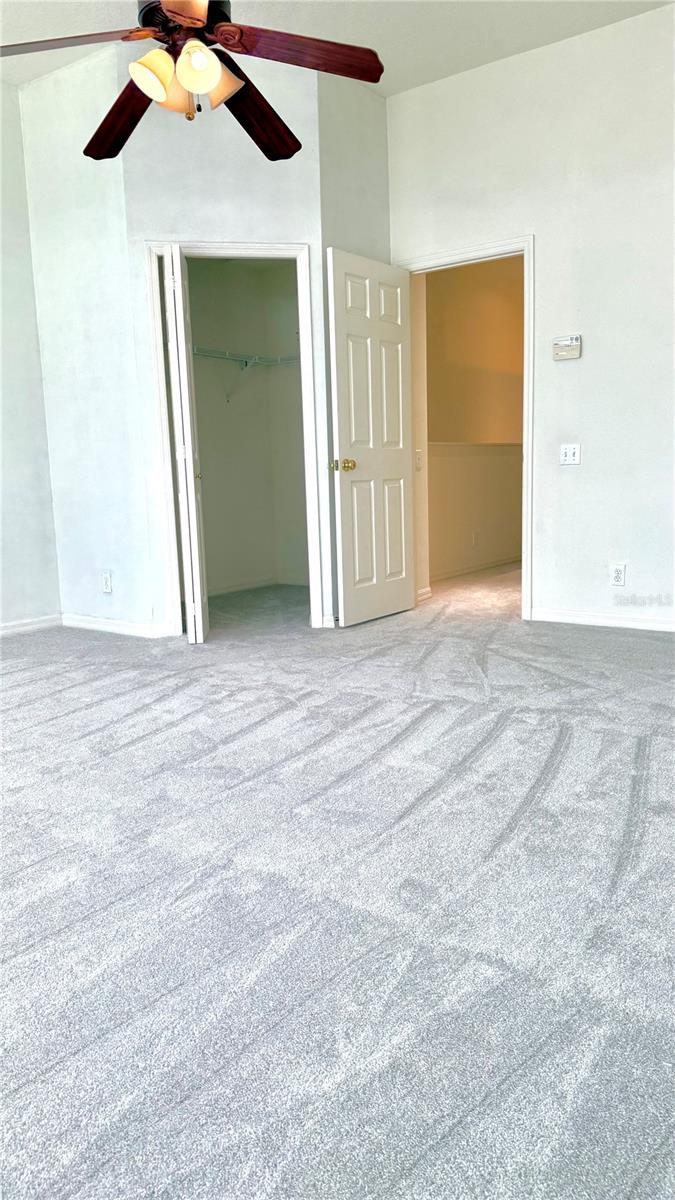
{"points": [[617, 575], [570, 454]]}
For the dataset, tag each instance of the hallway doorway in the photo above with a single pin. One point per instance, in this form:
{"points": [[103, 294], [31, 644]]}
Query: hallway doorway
{"points": [[471, 404]]}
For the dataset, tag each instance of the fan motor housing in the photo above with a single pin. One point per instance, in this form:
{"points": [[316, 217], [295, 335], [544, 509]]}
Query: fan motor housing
{"points": [[151, 15]]}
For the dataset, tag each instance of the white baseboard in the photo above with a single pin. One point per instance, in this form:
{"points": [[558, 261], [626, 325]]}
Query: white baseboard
{"points": [[422, 594], [146, 629], [31, 625], [329, 621], [241, 587], [475, 569], [567, 616]]}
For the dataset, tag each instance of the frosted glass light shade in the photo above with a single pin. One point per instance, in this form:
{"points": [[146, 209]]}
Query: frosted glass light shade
{"points": [[178, 99], [198, 68], [153, 74], [227, 85]]}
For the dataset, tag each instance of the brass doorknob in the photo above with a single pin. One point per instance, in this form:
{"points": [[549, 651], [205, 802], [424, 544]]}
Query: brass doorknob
{"points": [[348, 464], [198, 475]]}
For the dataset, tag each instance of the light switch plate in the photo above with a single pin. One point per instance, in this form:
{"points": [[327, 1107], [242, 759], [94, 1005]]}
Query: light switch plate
{"points": [[570, 454], [567, 347]]}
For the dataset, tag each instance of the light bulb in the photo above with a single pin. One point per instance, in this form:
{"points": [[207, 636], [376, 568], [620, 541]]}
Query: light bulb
{"points": [[198, 68]]}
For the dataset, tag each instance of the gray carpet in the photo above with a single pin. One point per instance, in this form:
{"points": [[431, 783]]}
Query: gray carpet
{"points": [[352, 915]]}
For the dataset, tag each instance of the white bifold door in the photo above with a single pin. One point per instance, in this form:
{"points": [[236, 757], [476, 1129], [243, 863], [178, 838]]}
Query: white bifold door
{"points": [[372, 436], [186, 444]]}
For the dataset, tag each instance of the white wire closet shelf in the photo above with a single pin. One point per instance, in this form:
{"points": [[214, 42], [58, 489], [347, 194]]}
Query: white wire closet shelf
{"points": [[246, 360]]}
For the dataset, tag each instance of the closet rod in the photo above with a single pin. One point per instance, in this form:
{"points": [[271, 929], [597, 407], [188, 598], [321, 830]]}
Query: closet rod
{"points": [[246, 360]]}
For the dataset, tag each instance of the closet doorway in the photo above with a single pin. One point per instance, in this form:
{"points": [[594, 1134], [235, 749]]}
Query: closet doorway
{"points": [[234, 389]]}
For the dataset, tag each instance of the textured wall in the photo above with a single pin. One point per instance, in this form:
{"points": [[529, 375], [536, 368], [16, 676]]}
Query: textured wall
{"points": [[30, 587], [95, 416]]}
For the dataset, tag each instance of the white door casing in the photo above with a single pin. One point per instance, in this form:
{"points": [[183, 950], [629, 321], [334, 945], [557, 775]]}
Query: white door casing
{"points": [[187, 447], [369, 319]]}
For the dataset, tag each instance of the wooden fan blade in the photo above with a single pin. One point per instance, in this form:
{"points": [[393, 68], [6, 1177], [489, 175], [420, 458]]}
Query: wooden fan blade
{"points": [[118, 125], [335, 57], [81, 39], [192, 13], [256, 115]]}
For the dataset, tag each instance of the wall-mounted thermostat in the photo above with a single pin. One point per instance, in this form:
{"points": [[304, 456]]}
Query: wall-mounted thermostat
{"points": [[567, 347]]}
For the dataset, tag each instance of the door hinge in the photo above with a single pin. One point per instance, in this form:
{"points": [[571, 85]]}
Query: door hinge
{"points": [[334, 464]]}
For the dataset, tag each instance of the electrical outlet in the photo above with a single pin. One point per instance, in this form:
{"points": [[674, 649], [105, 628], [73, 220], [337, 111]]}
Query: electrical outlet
{"points": [[106, 582], [570, 454], [617, 575]]}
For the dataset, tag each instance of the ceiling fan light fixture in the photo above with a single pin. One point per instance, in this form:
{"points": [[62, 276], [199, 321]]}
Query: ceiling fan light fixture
{"points": [[187, 12], [227, 85], [179, 100], [153, 74], [198, 68]]}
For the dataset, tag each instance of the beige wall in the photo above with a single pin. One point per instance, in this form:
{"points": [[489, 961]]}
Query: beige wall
{"points": [[475, 352], [474, 507]]}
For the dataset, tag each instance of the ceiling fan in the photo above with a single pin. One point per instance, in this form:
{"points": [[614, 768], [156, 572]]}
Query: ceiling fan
{"points": [[192, 61]]}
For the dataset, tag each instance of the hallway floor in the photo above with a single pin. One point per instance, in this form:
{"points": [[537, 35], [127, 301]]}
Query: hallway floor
{"points": [[339, 915]]}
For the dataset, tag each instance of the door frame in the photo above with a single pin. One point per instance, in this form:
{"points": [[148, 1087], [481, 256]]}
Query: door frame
{"points": [[464, 256], [300, 253]]}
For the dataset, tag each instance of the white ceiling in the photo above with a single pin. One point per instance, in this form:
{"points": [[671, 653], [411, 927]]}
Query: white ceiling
{"points": [[417, 40]]}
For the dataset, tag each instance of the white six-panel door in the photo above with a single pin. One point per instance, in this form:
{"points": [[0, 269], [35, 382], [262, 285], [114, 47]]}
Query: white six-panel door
{"points": [[372, 436]]}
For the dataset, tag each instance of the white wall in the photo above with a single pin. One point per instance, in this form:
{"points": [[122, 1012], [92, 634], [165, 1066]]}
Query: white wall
{"points": [[249, 424], [472, 159], [354, 178], [474, 506], [354, 168], [286, 429], [206, 181], [175, 181], [30, 588], [94, 411], [574, 143]]}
